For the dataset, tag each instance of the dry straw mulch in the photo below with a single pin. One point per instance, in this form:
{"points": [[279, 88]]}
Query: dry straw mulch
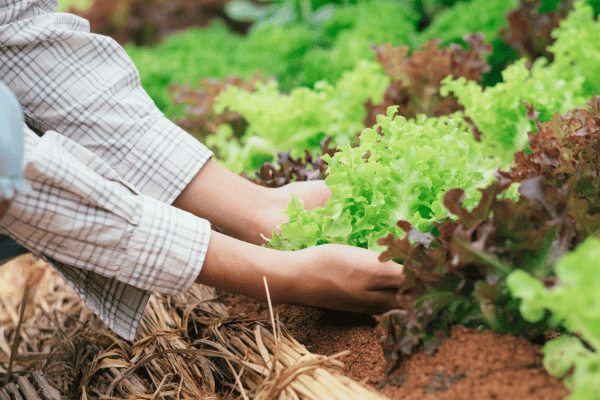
{"points": [[188, 347]]}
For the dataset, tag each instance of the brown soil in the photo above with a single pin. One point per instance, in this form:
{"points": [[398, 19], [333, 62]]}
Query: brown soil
{"points": [[470, 364]]}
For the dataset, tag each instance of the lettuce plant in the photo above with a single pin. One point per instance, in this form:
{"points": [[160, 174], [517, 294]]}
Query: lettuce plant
{"points": [[297, 54], [573, 303], [577, 48], [298, 120], [216, 53], [400, 175], [498, 111], [415, 80], [472, 16], [562, 85], [460, 275], [345, 39], [531, 24]]}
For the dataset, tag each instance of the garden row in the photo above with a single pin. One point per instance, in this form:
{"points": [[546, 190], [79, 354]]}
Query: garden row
{"points": [[489, 195]]}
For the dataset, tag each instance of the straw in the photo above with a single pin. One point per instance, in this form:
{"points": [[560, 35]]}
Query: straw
{"points": [[187, 347]]}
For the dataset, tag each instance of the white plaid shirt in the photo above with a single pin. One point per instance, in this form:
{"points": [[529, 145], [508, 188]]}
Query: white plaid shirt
{"points": [[105, 170]]}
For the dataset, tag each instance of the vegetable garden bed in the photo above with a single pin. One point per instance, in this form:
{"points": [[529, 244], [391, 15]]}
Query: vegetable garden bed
{"points": [[470, 364], [80, 357], [461, 139]]}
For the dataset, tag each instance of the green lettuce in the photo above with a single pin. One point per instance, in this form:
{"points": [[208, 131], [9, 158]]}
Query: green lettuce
{"points": [[298, 120], [498, 111], [214, 52], [560, 86], [574, 305], [486, 16], [577, 48], [401, 175]]}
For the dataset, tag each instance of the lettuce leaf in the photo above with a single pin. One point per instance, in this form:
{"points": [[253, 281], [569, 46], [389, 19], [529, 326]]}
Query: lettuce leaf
{"points": [[472, 16], [573, 302], [498, 111], [562, 85], [400, 175], [300, 119], [577, 48]]}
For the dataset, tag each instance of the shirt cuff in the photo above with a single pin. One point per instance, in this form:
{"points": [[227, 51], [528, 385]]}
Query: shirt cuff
{"points": [[166, 250], [180, 158]]}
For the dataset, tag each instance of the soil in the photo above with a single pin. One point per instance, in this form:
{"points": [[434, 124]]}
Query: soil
{"points": [[470, 364]]}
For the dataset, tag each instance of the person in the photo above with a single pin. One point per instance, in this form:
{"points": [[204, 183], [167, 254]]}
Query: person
{"points": [[119, 198]]}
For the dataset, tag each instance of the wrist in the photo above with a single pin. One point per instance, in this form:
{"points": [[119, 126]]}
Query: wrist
{"points": [[238, 267]]}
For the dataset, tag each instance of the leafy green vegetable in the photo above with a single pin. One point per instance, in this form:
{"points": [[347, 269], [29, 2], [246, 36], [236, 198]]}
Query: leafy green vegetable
{"points": [[289, 169], [498, 112], [200, 118], [300, 119], [566, 151], [577, 48], [402, 175], [375, 20], [216, 53], [531, 24], [460, 275], [468, 17], [344, 40], [573, 302], [560, 86], [330, 63]]}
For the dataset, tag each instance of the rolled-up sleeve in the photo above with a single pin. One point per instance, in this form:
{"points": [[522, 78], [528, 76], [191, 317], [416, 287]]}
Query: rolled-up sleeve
{"points": [[86, 87], [114, 244]]}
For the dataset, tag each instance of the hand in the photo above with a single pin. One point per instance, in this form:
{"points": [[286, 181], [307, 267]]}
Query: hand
{"points": [[243, 209], [345, 278], [330, 276], [312, 193]]}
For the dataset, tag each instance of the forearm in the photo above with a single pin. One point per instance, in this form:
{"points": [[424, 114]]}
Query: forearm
{"points": [[231, 202], [243, 209], [330, 276], [238, 267]]}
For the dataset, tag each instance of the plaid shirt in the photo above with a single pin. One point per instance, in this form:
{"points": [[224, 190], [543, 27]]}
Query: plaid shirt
{"points": [[105, 170]]}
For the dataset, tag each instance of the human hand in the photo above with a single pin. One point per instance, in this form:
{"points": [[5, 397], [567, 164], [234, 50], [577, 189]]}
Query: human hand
{"points": [[344, 278], [312, 193], [331, 276], [241, 208]]}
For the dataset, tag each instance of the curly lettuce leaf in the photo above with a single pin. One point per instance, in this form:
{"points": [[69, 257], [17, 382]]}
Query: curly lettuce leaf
{"points": [[302, 118], [472, 16], [499, 113], [562, 85], [573, 303], [400, 175], [577, 48]]}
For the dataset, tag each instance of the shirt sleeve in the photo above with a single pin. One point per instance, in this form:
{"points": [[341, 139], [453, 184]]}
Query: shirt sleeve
{"points": [[112, 243], [86, 87]]}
